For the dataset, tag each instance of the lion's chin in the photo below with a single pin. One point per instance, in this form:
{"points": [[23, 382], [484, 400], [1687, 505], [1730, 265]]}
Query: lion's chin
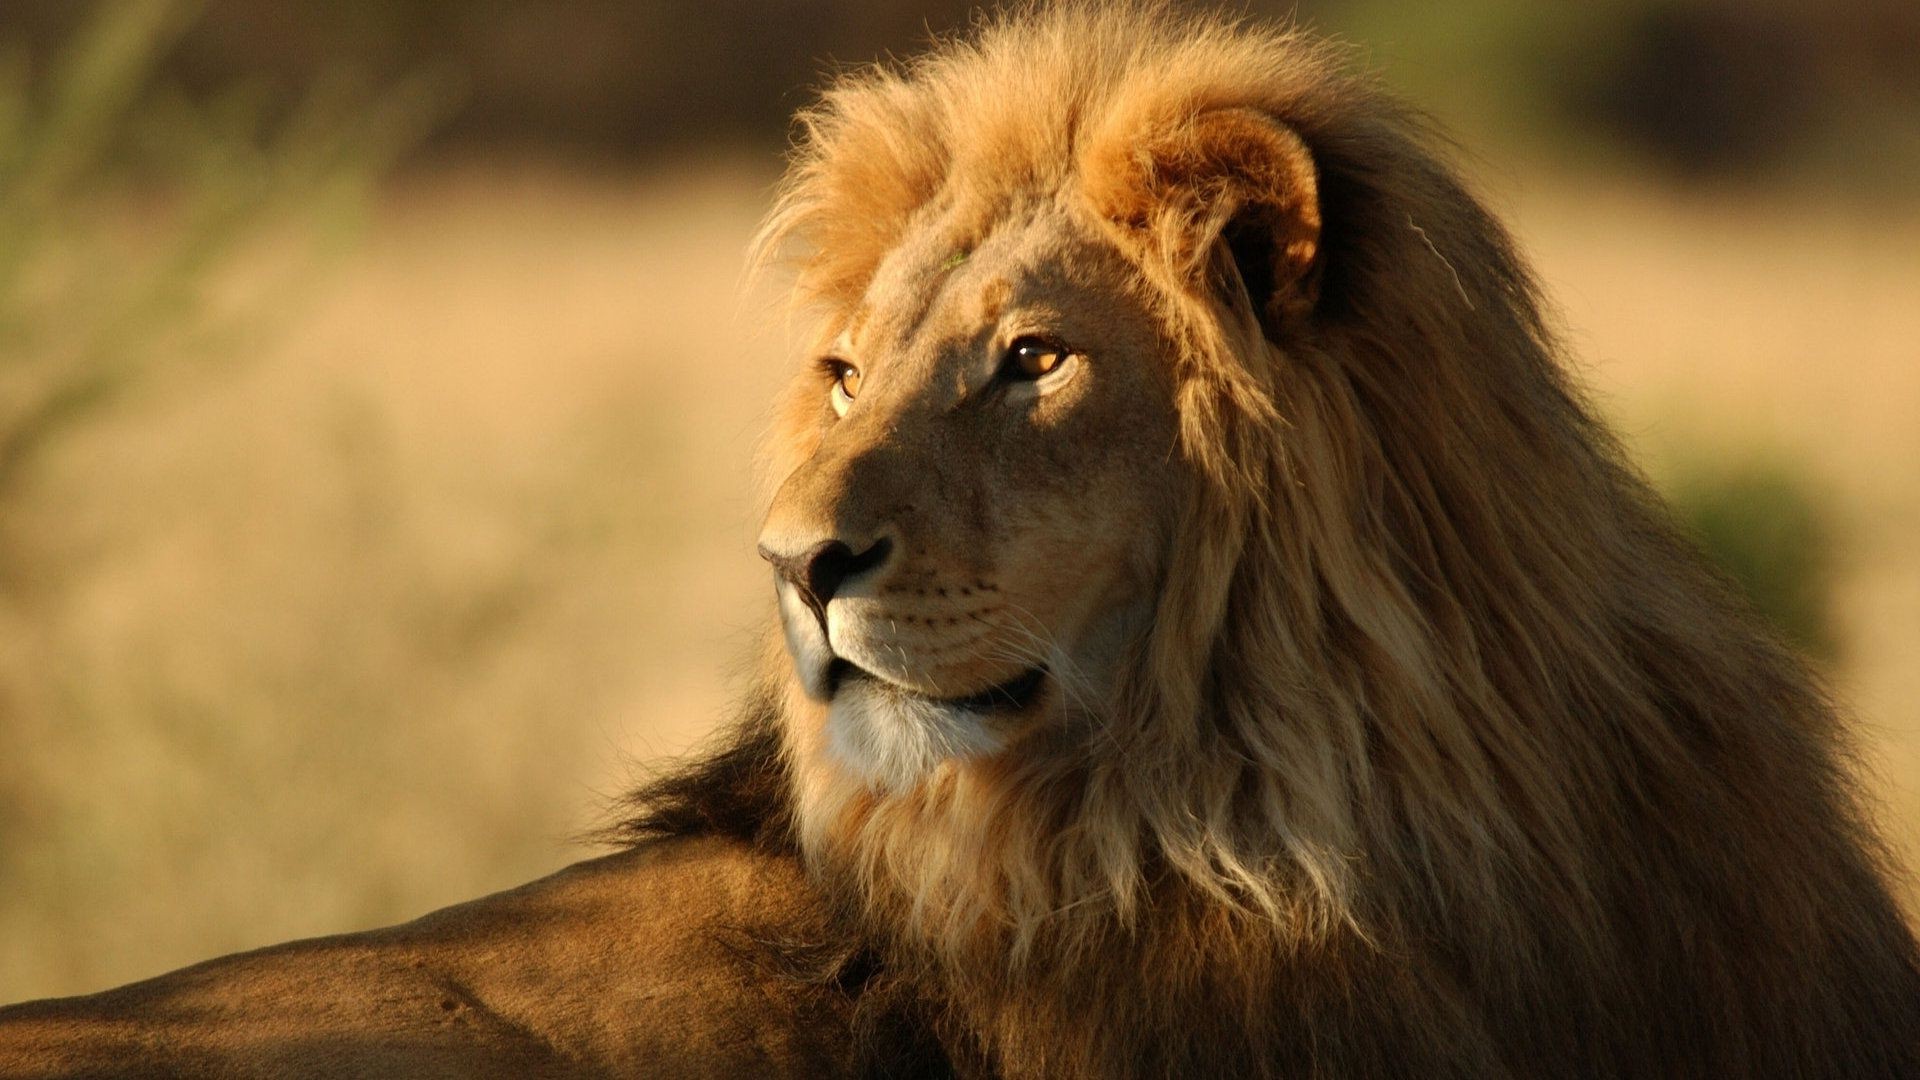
{"points": [[892, 737]]}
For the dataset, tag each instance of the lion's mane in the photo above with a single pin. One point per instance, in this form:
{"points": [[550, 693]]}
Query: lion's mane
{"points": [[1445, 755]]}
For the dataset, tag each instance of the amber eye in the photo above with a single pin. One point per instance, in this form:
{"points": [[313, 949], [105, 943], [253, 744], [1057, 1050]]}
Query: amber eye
{"points": [[1029, 358], [846, 384]]}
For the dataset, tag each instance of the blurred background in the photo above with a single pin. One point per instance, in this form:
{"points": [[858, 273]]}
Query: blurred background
{"points": [[377, 400]]}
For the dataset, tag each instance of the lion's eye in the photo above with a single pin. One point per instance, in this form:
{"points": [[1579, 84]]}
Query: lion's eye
{"points": [[1030, 358], [846, 385]]}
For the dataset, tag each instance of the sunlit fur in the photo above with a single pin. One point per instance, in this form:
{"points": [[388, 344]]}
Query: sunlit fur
{"points": [[1443, 756]]}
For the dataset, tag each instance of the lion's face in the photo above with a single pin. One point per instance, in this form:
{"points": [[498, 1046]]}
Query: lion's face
{"points": [[980, 495]]}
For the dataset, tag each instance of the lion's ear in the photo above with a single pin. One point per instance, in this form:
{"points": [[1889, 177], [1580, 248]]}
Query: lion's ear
{"points": [[1225, 184]]}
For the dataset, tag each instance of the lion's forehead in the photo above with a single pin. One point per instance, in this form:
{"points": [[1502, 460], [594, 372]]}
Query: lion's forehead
{"points": [[950, 283]]}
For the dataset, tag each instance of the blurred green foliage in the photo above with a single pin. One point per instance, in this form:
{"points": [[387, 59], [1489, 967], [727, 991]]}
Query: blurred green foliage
{"points": [[126, 205], [1724, 89], [1763, 524], [1732, 87]]}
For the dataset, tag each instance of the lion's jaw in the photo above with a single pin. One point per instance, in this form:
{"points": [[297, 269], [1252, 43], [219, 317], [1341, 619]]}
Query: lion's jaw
{"points": [[1021, 522]]}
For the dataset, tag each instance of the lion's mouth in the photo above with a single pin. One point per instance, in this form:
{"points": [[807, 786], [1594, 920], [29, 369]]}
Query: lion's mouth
{"points": [[1012, 696]]}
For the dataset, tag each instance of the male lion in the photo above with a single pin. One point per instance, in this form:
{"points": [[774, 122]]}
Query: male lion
{"points": [[1218, 642]]}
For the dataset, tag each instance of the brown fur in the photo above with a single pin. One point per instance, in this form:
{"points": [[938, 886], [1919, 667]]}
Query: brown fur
{"points": [[694, 957], [1443, 755]]}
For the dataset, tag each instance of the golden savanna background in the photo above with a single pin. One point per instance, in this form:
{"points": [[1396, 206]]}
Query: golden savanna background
{"points": [[378, 400]]}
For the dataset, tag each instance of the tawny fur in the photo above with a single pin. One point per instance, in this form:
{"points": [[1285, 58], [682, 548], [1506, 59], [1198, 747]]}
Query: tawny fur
{"points": [[646, 963], [1444, 756]]}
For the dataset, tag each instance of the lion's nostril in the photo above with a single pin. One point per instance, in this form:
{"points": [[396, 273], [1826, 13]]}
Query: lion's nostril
{"points": [[825, 568], [821, 570], [829, 565]]}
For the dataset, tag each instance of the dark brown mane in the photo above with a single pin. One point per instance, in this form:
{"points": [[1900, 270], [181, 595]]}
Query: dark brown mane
{"points": [[736, 787]]}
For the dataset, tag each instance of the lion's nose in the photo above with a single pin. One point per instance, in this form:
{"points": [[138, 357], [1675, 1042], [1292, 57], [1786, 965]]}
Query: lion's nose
{"points": [[820, 570]]}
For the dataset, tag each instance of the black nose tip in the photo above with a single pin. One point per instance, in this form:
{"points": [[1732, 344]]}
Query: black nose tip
{"points": [[819, 571]]}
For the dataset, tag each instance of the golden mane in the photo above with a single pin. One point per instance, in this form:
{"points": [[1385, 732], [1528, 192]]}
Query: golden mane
{"points": [[1433, 689]]}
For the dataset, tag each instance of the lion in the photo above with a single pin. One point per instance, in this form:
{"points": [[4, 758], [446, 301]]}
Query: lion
{"points": [[1214, 636]]}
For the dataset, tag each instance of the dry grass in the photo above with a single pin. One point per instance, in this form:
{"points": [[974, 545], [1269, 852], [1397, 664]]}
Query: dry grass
{"points": [[374, 623]]}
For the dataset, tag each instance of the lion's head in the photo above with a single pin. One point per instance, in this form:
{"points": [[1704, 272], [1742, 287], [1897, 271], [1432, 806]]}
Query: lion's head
{"points": [[1128, 491], [1199, 580]]}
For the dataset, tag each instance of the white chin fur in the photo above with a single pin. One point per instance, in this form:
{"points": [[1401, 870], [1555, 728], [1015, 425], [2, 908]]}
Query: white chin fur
{"points": [[892, 741]]}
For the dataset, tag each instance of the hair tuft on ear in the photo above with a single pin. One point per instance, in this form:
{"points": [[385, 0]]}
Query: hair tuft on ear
{"points": [[1228, 177]]}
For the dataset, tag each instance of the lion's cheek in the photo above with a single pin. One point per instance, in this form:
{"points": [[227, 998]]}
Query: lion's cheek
{"points": [[1087, 567]]}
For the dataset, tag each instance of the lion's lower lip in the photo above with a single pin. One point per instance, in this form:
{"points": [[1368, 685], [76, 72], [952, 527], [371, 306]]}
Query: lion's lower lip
{"points": [[1011, 696]]}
